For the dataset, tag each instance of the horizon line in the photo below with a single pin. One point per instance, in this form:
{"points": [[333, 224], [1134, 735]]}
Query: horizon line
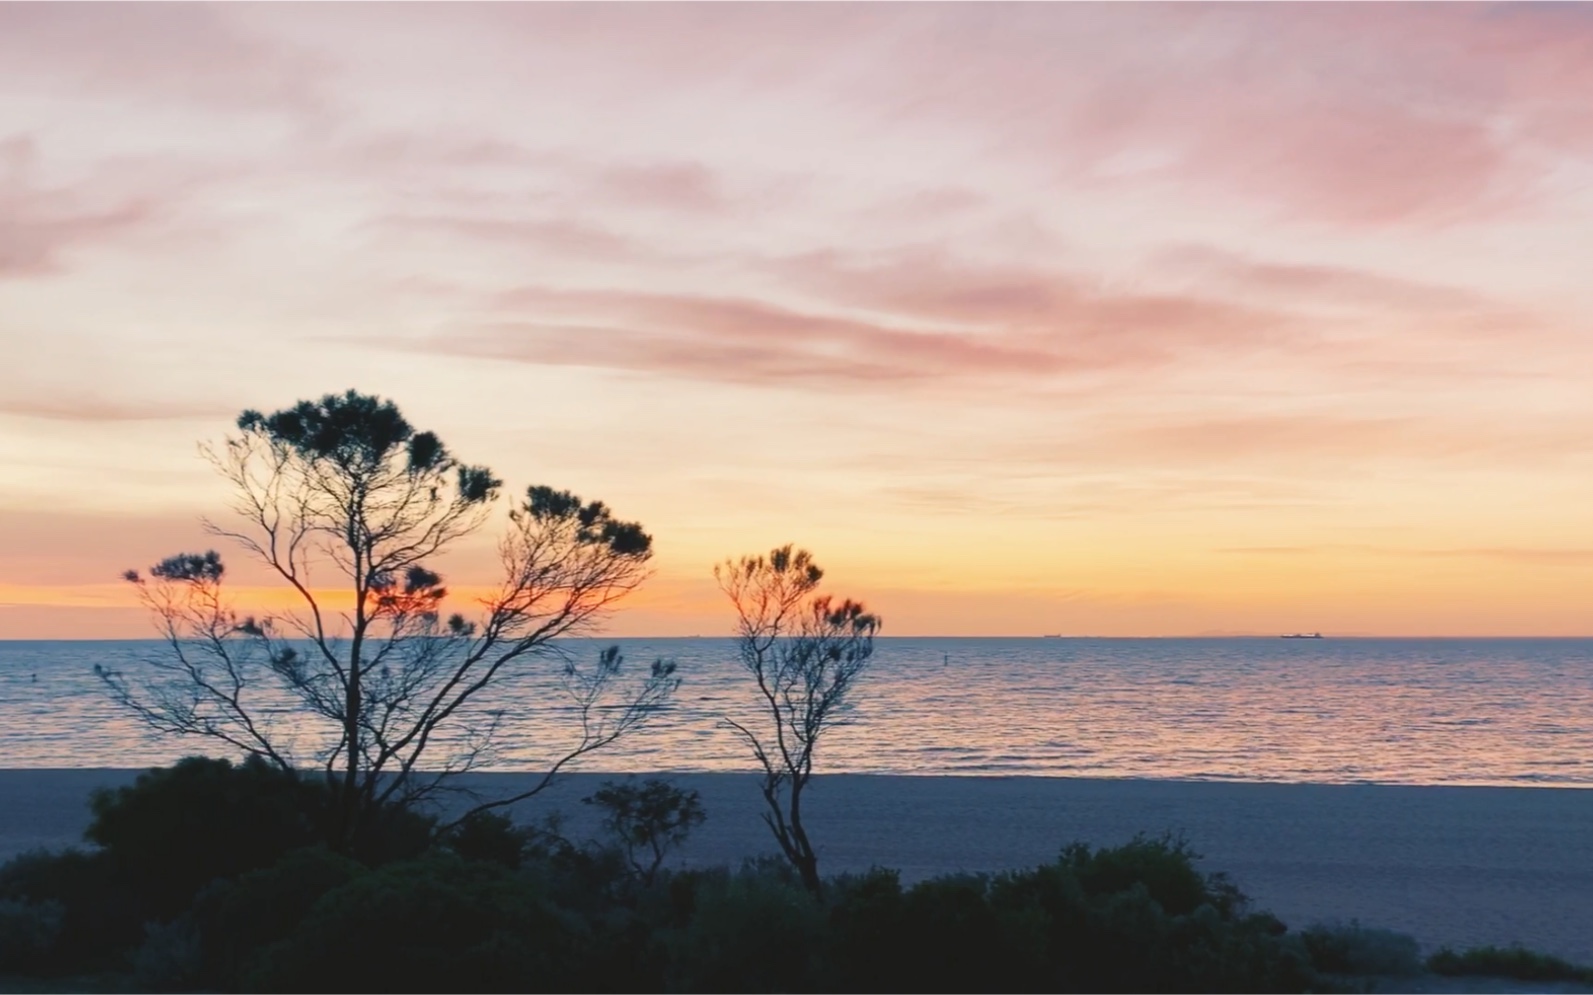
{"points": [[1200, 635]]}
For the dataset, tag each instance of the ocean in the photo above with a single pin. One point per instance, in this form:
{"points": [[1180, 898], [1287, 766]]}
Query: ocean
{"points": [[1398, 711]]}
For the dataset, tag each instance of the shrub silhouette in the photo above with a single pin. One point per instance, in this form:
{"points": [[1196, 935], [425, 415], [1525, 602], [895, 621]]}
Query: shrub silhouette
{"points": [[100, 916], [237, 919], [1339, 948], [647, 820], [435, 924], [497, 907], [176, 829], [1508, 962]]}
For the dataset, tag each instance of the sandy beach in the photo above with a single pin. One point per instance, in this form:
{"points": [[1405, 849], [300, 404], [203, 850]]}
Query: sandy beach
{"points": [[1450, 865]]}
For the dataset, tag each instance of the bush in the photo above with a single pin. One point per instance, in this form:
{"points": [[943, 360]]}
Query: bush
{"points": [[1164, 866], [754, 930], [435, 924], [648, 820], [237, 919], [496, 907], [490, 837], [1139, 917], [1508, 962], [1336, 948], [100, 916], [169, 959], [176, 829], [28, 931]]}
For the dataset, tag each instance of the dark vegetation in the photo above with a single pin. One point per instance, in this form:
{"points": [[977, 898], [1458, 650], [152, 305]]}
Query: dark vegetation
{"points": [[1508, 962], [213, 876]]}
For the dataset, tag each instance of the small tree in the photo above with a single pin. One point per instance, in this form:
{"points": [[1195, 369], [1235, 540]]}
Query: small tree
{"points": [[806, 652], [345, 487], [648, 820]]}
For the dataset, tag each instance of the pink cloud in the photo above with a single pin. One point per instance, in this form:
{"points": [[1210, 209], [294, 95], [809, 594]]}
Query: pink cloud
{"points": [[936, 323], [39, 224], [561, 236], [1062, 310], [78, 407], [1356, 115], [1307, 282], [688, 186], [738, 341], [197, 53]]}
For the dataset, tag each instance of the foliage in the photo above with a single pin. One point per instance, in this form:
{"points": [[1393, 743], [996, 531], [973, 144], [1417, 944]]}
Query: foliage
{"points": [[1508, 962], [169, 959], [749, 931], [28, 930], [345, 486], [1163, 865], [176, 829], [436, 924], [648, 819], [1337, 948], [100, 916], [805, 652], [316, 920], [488, 836], [166, 838], [237, 919], [492, 906]]}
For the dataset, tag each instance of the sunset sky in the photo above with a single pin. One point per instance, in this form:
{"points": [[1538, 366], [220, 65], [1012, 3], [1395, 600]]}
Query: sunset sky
{"points": [[1114, 320]]}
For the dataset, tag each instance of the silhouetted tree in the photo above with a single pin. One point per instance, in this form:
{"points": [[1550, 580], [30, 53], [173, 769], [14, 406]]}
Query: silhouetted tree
{"points": [[346, 487], [805, 651], [649, 819]]}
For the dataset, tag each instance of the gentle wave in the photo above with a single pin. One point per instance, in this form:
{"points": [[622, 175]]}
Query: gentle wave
{"points": [[1442, 711]]}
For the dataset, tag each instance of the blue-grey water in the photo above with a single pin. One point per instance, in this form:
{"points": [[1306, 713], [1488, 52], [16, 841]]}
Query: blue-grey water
{"points": [[1406, 711]]}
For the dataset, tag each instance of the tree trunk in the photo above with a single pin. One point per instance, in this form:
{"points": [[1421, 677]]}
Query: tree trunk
{"points": [[801, 852]]}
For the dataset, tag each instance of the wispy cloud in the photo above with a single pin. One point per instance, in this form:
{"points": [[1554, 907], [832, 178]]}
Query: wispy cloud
{"points": [[198, 55], [81, 407], [1549, 556], [39, 223], [735, 340]]}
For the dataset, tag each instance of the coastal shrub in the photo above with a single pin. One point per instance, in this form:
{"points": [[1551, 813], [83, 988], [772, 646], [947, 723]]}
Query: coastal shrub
{"points": [[101, 916], [1140, 917], [489, 837], [1163, 865], [869, 935], [1340, 948], [647, 820], [178, 828], [1508, 962], [28, 930], [236, 919], [973, 926], [439, 923], [169, 959], [757, 929], [504, 908]]}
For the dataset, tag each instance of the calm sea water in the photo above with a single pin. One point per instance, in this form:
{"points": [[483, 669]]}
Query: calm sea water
{"points": [[1452, 711]]}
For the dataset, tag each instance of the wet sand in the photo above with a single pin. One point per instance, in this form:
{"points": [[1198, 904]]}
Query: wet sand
{"points": [[1449, 865]]}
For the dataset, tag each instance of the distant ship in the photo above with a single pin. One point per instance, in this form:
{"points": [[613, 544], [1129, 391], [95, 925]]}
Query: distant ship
{"points": [[1052, 635], [1302, 635]]}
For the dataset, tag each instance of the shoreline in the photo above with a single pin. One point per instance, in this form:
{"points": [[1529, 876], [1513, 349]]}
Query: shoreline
{"points": [[1451, 865]]}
